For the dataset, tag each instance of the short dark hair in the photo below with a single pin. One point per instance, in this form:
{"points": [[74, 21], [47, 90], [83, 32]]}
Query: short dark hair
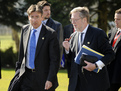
{"points": [[118, 11], [43, 3], [34, 8]]}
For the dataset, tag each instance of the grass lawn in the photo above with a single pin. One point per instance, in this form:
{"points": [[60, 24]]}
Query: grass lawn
{"points": [[7, 75], [7, 42]]}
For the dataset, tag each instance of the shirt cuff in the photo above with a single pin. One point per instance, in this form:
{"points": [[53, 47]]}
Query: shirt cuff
{"points": [[100, 64]]}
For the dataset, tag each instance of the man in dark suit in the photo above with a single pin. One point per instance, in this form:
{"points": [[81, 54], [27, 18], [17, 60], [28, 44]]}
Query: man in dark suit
{"points": [[68, 30], [57, 26], [114, 68], [84, 78], [41, 73]]}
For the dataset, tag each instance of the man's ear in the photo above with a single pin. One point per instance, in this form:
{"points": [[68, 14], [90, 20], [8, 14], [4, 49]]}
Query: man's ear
{"points": [[85, 19]]}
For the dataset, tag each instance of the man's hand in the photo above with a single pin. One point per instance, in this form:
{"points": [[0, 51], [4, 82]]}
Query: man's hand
{"points": [[89, 66], [48, 85], [66, 45]]}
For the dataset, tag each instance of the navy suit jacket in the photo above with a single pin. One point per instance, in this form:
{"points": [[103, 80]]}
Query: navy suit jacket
{"points": [[57, 26], [90, 81]]}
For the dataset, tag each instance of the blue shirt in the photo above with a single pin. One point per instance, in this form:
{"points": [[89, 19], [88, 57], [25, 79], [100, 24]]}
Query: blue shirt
{"points": [[37, 36]]}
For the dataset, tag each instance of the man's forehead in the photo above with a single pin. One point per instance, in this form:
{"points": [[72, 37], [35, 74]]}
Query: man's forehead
{"points": [[46, 7], [35, 13], [117, 15]]}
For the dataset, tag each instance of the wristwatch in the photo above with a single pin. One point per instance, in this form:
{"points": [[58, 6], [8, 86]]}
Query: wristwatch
{"points": [[96, 65]]}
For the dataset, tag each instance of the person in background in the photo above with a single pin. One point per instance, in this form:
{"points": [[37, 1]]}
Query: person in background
{"points": [[57, 26], [39, 56], [83, 78], [114, 68], [68, 30]]}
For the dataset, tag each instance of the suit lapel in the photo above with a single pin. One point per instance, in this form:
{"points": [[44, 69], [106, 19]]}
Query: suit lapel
{"points": [[117, 41], [26, 36], [88, 37], [41, 39], [49, 22], [112, 36]]}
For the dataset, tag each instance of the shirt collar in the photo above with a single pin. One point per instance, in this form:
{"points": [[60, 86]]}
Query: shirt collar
{"points": [[39, 28], [45, 21], [85, 30]]}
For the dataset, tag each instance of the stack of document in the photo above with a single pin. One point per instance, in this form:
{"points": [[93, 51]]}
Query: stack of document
{"points": [[88, 51]]}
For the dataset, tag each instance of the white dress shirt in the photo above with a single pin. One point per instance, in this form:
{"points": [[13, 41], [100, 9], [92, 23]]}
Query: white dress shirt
{"points": [[37, 36]]}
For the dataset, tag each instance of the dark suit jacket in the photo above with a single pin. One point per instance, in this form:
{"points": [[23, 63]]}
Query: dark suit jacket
{"points": [[115, 66], [90, 81], [46, 57], [68, 30], [57, 26]]}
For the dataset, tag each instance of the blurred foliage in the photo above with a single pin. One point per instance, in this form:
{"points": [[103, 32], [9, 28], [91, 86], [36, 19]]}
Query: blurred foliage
{"points": [[8, 58], [101, 11], [13, 13]]}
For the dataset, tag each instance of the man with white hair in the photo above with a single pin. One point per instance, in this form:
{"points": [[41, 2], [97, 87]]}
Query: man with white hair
{"points": [[96, 39]]}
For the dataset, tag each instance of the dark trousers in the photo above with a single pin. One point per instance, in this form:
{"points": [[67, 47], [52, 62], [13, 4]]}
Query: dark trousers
{"points": [[29, 82]]}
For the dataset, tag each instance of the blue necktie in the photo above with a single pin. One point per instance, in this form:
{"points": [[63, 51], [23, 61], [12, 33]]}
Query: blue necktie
{"points": [[32, 49]]}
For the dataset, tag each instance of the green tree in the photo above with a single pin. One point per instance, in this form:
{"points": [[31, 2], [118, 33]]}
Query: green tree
{"points": [[103, 9], [12, 13]]}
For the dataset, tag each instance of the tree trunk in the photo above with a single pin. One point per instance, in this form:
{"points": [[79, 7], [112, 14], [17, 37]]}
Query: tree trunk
{"points": [[16, 39], [102, 16]]}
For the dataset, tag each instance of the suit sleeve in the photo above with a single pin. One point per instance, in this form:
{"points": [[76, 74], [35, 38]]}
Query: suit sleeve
{"points": [[21, 52], [60, 36], [54, 54], [105, 48]]}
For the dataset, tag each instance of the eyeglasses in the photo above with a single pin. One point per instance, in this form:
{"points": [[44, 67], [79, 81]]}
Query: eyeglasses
{"points": [[74, 20]]}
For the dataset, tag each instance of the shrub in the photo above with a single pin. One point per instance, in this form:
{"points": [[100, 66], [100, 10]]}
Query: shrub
{"points": [[8, 58]]}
